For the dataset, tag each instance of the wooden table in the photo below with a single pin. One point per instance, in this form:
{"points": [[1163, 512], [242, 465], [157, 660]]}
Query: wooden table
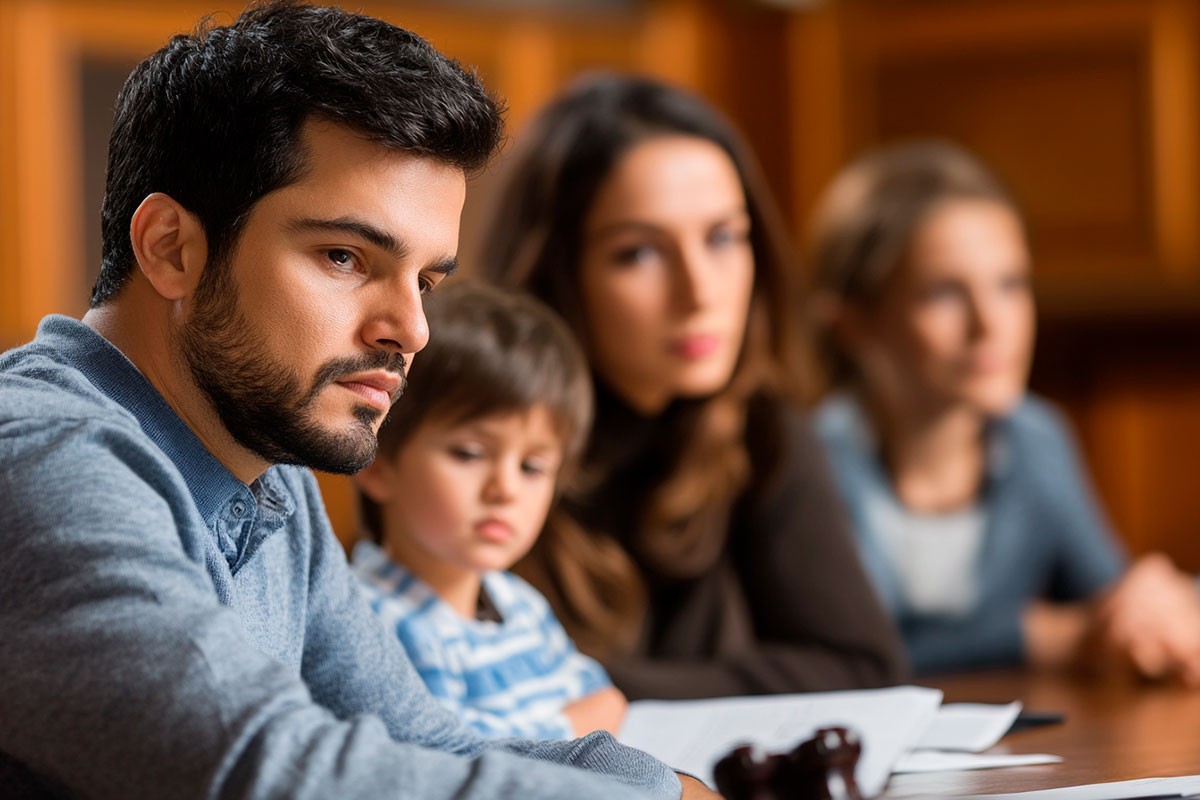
{"points": [[1115, 729]]}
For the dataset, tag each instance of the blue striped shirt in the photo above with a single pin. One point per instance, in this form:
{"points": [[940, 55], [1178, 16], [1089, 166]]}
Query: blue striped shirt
{"points": [[507, 678]]}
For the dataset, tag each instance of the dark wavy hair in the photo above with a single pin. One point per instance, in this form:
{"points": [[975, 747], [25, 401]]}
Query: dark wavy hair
{"points": [[491, 351], [534, 241], [213, 119]]}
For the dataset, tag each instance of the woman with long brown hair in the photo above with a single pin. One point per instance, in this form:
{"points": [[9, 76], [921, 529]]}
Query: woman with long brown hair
{"points": [[702, 552]]}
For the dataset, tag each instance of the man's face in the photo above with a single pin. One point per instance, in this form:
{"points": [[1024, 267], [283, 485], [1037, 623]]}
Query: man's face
{"points": [[301, 342]]}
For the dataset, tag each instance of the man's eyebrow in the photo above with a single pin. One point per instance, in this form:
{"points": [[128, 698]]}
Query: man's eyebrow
{"points": [[395, 247]]}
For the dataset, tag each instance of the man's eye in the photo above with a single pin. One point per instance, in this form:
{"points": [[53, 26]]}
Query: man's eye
{"points": [[343, 259]]}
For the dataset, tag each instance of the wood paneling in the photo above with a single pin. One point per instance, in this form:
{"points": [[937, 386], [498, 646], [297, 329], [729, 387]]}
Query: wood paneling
{"points": [[1132, 388], [47, 202], [1089, 109], [1086, 109], [1086, 196]]}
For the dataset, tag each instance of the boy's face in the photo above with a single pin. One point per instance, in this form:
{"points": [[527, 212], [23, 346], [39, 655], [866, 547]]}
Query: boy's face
{"points": [[470, 497]]}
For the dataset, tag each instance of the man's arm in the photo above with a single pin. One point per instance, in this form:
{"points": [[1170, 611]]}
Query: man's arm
{"points": [[125, 677]]}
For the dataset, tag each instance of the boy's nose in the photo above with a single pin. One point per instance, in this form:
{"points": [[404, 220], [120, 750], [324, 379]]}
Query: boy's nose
{"points": [[500, 486]]}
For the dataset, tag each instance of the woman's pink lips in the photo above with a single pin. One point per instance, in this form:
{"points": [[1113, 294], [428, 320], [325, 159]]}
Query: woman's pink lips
{"points": [[697, 346], [494, 530]]}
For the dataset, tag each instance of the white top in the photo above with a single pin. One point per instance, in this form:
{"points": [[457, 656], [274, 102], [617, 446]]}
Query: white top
{"points": [[936, 557]]}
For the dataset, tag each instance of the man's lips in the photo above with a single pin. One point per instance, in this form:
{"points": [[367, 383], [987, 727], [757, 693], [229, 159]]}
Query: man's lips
{"points": [[377, 388]]}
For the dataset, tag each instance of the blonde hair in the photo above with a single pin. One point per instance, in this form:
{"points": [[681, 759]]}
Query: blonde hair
{"points": [[865, 221]]}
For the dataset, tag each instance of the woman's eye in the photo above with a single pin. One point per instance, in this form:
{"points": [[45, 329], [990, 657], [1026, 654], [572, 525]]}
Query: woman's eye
{"points": [[1015, 283], [724, 236], [426, 286], [940, 292], [635, 254]]}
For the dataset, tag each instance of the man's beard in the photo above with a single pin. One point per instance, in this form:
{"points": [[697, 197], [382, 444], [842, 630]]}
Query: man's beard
{"points": [[260, 400]]}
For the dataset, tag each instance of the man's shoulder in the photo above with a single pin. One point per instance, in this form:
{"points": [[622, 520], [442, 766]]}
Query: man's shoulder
{"points": [[38, 391]]}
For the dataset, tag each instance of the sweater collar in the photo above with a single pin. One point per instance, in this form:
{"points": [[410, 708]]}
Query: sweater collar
{"points": [[212, 486]]}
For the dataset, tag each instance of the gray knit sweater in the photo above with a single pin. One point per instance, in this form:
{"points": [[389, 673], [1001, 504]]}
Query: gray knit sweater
{"points": [[167, 631]]}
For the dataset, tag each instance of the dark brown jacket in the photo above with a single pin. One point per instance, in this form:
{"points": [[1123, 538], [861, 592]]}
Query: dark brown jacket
{"points": [[787, 607]]}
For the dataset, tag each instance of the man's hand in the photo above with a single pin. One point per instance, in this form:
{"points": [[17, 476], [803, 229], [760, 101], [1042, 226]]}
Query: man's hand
{"points": [[694, 789]]}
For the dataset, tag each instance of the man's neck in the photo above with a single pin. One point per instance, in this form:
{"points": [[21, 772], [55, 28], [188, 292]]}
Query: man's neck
{"points": [[141, 331]]}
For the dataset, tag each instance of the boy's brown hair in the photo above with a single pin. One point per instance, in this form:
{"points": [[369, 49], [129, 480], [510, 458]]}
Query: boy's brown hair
{"points": [[491, 351]]}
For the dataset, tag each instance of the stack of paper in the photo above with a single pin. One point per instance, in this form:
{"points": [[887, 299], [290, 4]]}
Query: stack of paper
{"points": [[959, 733], [903, 729]]}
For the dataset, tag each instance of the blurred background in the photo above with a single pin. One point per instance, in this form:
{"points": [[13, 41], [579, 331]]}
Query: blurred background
{"points": [[1088, 109]]}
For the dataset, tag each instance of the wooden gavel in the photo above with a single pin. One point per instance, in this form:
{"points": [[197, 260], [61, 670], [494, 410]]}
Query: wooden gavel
{"points": [[820, 768]]}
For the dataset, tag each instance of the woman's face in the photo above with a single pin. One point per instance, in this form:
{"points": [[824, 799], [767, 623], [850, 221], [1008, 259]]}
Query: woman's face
{"points": [[955, 326], [666, 272]]}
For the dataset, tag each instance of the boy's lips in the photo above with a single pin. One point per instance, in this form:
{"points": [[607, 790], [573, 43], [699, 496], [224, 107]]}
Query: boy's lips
{"points": [[494, 530]]}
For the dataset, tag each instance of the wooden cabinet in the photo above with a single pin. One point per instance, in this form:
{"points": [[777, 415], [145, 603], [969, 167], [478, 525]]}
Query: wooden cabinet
{"points": [[1087, 109]]}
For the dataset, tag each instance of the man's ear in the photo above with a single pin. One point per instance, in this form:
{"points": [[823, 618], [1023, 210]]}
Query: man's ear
{"points": [[377, 480], [169, 245]]}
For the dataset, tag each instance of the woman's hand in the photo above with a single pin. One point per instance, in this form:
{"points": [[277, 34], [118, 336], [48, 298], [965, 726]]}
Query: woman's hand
{"points": [[602, 710], [1152, 617], [1056, 634]]}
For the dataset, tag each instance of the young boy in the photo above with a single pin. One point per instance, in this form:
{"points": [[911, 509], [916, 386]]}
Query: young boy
{"points": [[496, 407]]}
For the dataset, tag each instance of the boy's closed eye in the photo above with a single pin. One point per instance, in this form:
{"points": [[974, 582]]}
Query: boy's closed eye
{"points": [[542, 465], [466, 451]]}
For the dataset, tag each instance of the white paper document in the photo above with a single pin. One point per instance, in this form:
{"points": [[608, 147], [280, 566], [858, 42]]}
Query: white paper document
{"points": [[941, 761], [969, 727], [692, 735], [1117, 790]]}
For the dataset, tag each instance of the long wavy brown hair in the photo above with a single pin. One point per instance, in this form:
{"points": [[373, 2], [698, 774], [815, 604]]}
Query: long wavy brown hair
{"points": [[596, 584]]}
